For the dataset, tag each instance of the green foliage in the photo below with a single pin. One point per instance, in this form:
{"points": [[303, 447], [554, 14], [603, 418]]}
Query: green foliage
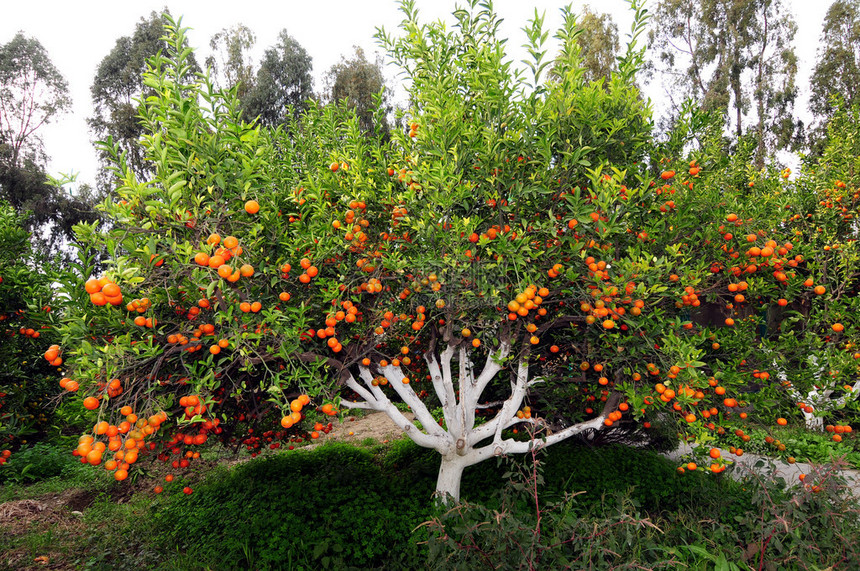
{"points": [[766, 526], [39, 462]]}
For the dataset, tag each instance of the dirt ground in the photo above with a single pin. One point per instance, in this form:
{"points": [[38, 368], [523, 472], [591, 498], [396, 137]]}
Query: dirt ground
{"points": [[60, 513], [376, 426]]}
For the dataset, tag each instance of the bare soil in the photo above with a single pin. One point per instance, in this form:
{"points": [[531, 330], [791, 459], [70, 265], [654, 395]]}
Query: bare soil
{"points": [[59, 513], [376, 425]]}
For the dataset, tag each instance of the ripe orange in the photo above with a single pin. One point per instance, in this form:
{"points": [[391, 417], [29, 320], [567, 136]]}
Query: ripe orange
{"points": [[837, 327], [111, 290], [252, 207], [91, 403]]}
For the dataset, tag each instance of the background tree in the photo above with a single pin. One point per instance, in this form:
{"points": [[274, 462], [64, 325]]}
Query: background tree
{"points": [[32, 94], [598, 41], [837, 67], [117, 86], [48, 211], [713, 50], [361, 85], [283, 82], [231, 62]]}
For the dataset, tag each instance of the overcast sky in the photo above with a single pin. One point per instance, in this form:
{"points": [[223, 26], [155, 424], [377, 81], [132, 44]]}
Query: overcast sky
{"points": [[78, 35]]}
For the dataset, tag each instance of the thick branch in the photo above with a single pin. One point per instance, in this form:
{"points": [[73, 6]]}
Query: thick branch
{"points": [[441, 384]]}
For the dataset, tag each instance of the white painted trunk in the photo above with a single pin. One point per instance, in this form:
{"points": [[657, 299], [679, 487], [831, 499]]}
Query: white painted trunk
{"points": [[450, 476], [813, 423]]}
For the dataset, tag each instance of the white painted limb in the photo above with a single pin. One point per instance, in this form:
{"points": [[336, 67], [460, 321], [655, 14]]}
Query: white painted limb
{"points": [[369, 399], [357, 404], [443, 384], [492, 367], [465, 410], [395, 376], [516, 447], [367, 377], [508, 411], [451, 418], [380, 402]]}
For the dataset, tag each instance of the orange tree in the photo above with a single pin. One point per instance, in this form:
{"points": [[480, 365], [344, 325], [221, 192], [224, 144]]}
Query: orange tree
{"points": [[812, 344], [27, 381], [508, 261]]}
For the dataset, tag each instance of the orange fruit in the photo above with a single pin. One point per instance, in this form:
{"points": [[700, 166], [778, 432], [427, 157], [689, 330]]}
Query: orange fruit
{"points": [[111, 290], [252, 207]]}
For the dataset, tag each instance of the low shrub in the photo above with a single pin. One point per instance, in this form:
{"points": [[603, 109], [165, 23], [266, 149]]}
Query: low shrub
{"points": [[330, 508], [39, 462]]}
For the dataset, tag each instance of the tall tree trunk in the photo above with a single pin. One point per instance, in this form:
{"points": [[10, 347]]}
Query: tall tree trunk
{"points": [[760, 97]]}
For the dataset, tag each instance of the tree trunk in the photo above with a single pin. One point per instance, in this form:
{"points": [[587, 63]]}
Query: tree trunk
{"points": [[450, 476], [813, 423]]}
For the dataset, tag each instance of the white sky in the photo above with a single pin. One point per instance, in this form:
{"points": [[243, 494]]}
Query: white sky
{"points": [[78, 35]]}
